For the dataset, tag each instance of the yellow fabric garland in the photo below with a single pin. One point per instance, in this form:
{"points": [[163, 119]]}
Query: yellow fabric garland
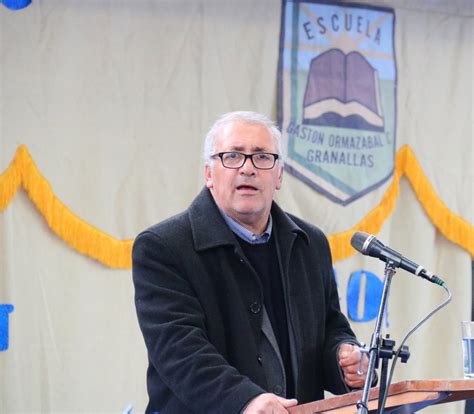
{"points": [[77, 233], [116, 253], [451, 225]]}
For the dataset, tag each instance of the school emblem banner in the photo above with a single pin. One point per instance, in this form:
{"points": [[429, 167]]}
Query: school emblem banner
{"points": [[337, 96]]}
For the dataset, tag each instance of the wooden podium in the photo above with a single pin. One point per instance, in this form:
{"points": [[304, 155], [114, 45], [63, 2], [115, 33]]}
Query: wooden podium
{"points": [[411, 395]]}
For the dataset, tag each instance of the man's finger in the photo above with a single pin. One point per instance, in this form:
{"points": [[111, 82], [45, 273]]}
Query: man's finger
{"points": [[288, 402]]}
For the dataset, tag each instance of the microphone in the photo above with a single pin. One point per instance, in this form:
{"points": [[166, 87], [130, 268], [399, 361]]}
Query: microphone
{"points": [[368, 245]]}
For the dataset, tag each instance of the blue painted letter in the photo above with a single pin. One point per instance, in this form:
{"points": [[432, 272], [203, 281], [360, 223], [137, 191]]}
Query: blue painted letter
{"points": [[4, 311], [364, 292]]}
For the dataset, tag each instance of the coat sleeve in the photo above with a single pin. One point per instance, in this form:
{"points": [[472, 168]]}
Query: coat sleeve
{"points": [[174, 328], [338, 330]]}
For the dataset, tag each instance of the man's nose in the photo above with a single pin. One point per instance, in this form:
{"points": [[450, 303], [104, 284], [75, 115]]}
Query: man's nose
{"points": [[248, 167]]}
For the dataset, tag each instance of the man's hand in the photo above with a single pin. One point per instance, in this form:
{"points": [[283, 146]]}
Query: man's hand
{"points": [[269, 404], [349, 359]]}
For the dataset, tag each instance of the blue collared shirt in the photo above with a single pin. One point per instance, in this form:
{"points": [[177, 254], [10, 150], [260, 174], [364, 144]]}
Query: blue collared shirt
{"points": [[246, 234]]}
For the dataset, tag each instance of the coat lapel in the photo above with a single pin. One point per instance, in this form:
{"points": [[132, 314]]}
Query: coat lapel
{"points": [[207, 224]]}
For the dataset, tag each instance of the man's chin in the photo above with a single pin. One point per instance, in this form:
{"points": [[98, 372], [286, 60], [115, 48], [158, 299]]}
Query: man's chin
{"points": [[248, 209], [249, 213]]}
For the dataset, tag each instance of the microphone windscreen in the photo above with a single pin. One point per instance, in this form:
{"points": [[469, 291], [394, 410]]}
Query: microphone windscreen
{"points": [[358, 240]]}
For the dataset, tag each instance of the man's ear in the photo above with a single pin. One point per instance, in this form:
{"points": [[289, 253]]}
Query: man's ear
{"points": [[280, 179], [208, 176]]}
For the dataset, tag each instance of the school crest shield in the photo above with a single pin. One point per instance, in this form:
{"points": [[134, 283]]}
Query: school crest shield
{"points": [[337, 96]]}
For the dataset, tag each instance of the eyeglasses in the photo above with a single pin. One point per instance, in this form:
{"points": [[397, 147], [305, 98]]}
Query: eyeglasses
{"points": [[260, 160]]}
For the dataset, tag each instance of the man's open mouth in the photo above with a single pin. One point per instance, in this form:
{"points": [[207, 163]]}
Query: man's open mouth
{"points": [[246, 187]]}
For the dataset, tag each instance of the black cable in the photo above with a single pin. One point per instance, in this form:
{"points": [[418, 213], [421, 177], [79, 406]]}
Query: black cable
{"points": [[397, 353]]}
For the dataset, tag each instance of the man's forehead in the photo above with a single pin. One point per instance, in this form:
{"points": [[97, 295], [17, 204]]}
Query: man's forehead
{"points": [[240, 136]]}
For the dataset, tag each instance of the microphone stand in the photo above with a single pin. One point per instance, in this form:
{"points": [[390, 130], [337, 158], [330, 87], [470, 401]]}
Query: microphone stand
{"points": [[376, 340]]}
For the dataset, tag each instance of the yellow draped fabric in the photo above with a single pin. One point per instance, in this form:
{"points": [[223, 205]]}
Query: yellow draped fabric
{"points": [[116, 253], [76, 232]]}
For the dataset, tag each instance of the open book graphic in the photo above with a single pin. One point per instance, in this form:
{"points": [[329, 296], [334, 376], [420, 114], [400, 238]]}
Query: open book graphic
{"points": [[343, 91]]}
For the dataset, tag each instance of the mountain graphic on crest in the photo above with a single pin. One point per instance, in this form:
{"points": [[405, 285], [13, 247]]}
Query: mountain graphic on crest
{"points": [[343, 91]]}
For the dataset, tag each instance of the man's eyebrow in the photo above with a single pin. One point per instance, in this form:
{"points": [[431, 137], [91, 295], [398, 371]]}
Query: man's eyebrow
{"points": [[241, 148]]}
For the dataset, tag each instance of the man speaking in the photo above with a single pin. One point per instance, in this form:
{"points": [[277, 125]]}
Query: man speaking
{"points": [[236, 299]]}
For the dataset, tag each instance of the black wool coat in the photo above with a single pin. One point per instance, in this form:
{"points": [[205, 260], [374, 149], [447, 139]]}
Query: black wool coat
{"points": [[198, 305]]}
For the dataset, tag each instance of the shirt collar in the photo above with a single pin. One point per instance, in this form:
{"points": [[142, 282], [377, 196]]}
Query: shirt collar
{"points": [[246, 234]]}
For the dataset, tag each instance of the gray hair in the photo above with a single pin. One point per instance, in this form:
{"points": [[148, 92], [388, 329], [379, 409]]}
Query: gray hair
{"points": [[246, 117]]}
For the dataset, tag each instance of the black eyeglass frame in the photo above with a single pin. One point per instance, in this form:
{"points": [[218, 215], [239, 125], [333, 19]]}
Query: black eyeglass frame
{"points": [[246, 157]]}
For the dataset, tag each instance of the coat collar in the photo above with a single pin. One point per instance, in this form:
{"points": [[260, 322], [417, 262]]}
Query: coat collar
{"points": [[210, 230]]}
